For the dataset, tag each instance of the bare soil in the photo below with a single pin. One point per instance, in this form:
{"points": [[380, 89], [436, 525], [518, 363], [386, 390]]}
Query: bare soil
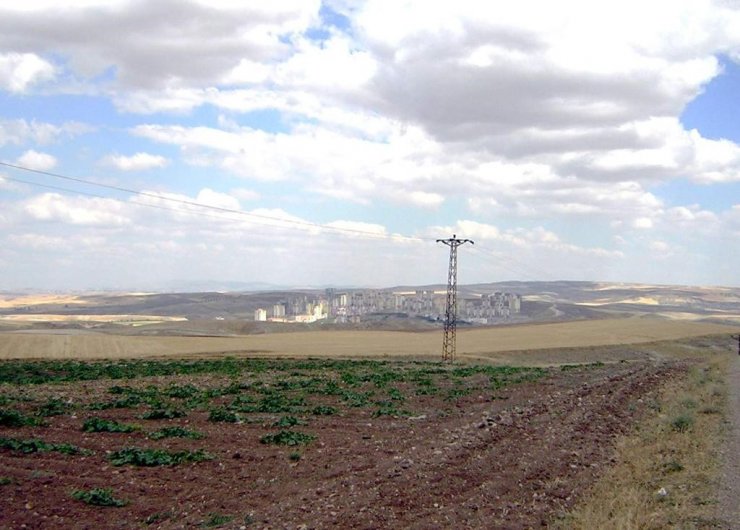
{"points": [[514, 458]]}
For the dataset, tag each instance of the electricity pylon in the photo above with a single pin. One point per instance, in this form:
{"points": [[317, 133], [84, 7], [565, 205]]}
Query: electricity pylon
{"points": [[448, 344]]}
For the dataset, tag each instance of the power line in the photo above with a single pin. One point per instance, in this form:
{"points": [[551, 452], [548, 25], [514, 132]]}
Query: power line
{"points": [[259, 217]]}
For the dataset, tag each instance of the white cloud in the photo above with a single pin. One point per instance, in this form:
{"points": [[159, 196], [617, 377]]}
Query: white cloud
{"points": [[19, 71], [136, 162], [36, 160], [76, 210]]}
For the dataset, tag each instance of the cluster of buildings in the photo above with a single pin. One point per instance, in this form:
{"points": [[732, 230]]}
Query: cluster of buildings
{"points": [[353, 306]]}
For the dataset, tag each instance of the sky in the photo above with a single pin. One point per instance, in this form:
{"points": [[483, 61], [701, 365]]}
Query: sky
{"points": [[150, 144]]}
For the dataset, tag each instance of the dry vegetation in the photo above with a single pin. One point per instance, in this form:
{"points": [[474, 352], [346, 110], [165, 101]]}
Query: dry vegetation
{"points": [[476, 345], [666, 472]]}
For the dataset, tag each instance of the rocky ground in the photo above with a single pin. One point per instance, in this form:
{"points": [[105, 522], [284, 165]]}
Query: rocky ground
{"points": [[514, 457]]}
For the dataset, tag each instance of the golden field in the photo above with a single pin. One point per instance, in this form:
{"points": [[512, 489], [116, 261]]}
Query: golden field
{"points": [[510, 344]]}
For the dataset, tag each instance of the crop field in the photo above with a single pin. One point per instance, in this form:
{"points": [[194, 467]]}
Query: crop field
{"points": [[236, 442], [475, 345]]}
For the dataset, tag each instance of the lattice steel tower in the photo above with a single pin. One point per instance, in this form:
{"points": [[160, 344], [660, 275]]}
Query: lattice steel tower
{"points": [[448, 344]]}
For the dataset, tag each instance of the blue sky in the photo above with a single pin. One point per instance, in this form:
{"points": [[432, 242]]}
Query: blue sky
{"points": [[332, 142]]}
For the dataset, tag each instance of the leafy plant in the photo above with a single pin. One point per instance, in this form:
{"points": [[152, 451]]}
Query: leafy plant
{"points": [[164, 413], [155, 457], [287, 421], [175, 432], [682, 422], [34, 445], [289, 438], [103, 425], [221, 414], [53, 407], [324, 410], [216, 519], [14, 418], [98, 497]]}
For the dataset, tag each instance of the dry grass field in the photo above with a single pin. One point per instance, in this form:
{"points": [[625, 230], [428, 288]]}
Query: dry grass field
{"points": [[512, 344]]}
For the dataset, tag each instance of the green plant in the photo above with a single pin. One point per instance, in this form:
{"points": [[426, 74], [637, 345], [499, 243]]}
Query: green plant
{"points": [[324, 410], [53, 407], [34, 445], [103, 425], [5, 481], [175, 432], [14, 418], [221, 414], [682, 423], [164, 413], [290, 438], [295, 457], [216, 519], [98, 497], [155, 457], [287, 421]]}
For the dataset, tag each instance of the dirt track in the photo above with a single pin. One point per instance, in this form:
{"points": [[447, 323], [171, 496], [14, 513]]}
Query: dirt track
{"points": [[513, 462], [474, 344]]}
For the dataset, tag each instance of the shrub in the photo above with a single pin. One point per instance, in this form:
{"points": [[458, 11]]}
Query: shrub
{"points": [[290, 438], [98, 497], [682, 422]]}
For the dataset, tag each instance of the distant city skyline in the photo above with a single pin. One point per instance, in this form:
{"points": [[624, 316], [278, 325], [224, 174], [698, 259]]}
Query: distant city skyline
{"points": [[331, 142]]}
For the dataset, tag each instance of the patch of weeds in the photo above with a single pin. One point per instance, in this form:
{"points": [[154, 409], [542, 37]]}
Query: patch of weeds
{"points": [[103, 425], [356, 399], [287, 421], [136, 456], [216, 519], [127, 402], [157, 517], [6, 481], [221, 414], [34, 445], [682, 423], [290, 438], [323, 410], [689, 403], [388, 408], [395, 394], [331, 388], [164, 413], [98, 497], [456, 393], [14, 418], [53, 407], [175, 432], [672, 466], [294, 457], [181, 391]]}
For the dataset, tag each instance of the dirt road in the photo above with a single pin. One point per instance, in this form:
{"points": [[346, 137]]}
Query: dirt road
{"points": [[729, 495]]}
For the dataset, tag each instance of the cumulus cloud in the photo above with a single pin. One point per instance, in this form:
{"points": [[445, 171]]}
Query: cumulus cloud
{"points": [[136, 162], [37, 160], [19, 71], [75, 210]]}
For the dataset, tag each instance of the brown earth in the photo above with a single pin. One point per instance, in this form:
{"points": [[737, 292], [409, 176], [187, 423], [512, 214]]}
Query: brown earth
{"points": [[514, 458]]}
